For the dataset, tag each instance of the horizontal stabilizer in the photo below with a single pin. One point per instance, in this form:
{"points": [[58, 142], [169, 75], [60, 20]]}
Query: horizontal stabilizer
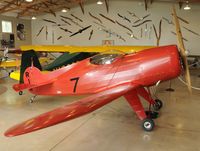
{"points": [[21, 87]]}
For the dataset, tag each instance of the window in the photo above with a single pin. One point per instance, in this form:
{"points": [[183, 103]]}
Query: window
{"points": [[102, 59], [6, 26]]}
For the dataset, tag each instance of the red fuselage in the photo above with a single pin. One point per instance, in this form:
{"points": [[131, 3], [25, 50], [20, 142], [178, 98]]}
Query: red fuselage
{"points": [[144, 68]]}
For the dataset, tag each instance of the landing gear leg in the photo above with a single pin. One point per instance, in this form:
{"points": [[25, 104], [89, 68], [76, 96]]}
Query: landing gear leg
{"points": [[155, 104], [32, 99], [135, 103]]}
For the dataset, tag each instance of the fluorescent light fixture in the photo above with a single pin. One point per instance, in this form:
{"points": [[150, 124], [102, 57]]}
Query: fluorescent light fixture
{"points": [[64, 10], [187, 7], [33, 18], [99, 2], [29, 0]]}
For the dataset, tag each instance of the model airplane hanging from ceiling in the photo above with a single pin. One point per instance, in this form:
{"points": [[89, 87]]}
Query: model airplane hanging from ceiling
{"points": [[105, 77]]}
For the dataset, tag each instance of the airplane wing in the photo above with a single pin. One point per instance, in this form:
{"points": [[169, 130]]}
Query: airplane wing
{"points": [[10, 63], [17, 63], [70, 111], [72, 49], [15, 75]]}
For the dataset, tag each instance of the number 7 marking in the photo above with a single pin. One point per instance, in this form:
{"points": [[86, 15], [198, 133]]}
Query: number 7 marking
{"points": [[75, 85]]}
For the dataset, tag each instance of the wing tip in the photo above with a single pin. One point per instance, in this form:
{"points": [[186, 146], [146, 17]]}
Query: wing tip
{"points": [[9, 134], [13, 131]]}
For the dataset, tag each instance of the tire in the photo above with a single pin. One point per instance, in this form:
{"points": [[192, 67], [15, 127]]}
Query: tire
{"points": [[20, 92], [148, 124], [158, 105]]}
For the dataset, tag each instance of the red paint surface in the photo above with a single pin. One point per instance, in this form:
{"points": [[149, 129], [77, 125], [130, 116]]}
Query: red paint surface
{"points": [[126, 76]]}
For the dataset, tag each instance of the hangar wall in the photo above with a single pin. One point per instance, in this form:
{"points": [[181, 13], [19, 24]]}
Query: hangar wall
{"points": [[15, 21], [157, 11]]}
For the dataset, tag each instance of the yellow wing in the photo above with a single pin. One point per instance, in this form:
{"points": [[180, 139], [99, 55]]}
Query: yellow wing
{"points": [[71, 49], [10, 63], [16, 74], [17, 63]]}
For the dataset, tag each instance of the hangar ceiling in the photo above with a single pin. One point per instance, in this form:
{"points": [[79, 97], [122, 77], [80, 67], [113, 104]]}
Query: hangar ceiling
{"points": [[38, 7]]}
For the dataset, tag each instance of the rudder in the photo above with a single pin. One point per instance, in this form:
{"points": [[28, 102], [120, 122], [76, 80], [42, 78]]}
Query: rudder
{"points": [[28, 57]]}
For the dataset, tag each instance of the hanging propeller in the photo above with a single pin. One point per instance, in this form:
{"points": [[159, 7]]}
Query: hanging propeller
{"points": [[182, 50]]}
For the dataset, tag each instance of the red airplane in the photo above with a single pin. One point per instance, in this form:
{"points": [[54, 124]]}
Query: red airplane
{"points": [[106, 77]]}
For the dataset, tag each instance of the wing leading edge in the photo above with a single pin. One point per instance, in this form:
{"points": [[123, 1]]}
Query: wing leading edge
{"points": [[70, 111]]}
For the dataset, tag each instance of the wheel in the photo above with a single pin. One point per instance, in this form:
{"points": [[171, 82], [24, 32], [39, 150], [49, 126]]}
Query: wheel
{"points": [[20, 92], [158, 105], [148, 124], [31, 100]]}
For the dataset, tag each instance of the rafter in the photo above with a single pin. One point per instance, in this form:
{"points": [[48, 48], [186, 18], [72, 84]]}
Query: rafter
{"points": [[39, 7], [40, 10], [7, 8], [7, 5]]}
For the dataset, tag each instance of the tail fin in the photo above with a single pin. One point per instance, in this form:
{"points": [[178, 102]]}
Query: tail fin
{"points": [[28, 57]]}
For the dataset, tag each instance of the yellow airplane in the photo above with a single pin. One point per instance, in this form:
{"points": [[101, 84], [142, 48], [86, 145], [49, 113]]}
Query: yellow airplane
{"points": [[75, 49], [10, 63], [16, 63]]}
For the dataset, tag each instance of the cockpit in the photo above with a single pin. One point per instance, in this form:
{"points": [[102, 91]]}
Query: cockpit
{"points": [[107, 57]]}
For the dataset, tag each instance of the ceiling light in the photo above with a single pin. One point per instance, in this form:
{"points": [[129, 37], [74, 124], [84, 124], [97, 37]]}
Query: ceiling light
{"points": [[99, 2], [64, 10], [187, 7], [33, 18], [29, 0]]}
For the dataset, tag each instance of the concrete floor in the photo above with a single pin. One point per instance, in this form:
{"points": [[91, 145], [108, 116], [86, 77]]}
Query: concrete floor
{"points": [[114, 127]]}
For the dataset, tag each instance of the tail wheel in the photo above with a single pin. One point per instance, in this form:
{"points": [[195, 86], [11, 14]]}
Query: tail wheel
{"points": [[20, 92], [158, 105], [148, 124]]}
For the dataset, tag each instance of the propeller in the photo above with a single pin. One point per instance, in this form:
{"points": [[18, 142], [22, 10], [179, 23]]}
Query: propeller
{"points": [[182, 50]]}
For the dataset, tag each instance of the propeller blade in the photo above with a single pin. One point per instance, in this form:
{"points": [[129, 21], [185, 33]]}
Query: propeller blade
{"points": [[182, 49]]}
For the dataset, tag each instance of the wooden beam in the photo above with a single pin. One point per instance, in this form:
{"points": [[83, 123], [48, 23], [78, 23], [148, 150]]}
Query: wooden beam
{"points": [[40, 10], [24, 4], [50, 10], [7, 6]]}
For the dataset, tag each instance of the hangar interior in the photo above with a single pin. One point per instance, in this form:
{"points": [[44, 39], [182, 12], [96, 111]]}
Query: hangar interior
{"points": [[70, 36]]}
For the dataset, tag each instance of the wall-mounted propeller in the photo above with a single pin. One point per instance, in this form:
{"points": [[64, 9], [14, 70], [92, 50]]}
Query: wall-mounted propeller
{"points": [[182, 50]]}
